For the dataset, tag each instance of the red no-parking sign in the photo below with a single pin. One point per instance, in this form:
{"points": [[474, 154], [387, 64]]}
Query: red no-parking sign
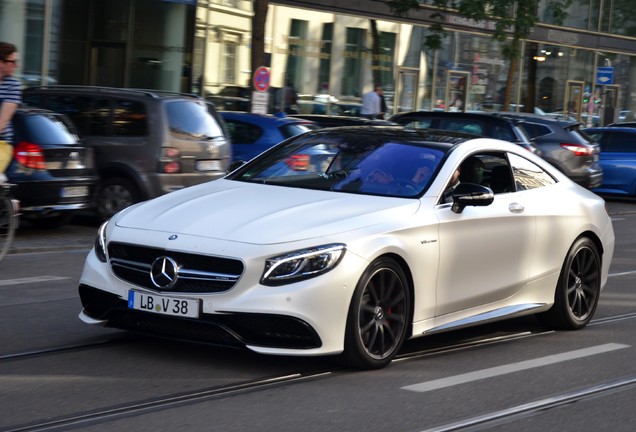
{"points": [[261, 79]]}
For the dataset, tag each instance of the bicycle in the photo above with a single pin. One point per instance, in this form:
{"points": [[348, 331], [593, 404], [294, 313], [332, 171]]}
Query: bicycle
{"points": [[9, 213]]}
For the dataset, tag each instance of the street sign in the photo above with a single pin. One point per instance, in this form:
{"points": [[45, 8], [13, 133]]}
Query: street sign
{"points": [[260, 102], [605, 75], [261, 79]]}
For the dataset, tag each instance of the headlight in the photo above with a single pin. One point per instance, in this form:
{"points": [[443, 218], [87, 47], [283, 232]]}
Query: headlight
{"points": [[100, 243], [302, 264]]}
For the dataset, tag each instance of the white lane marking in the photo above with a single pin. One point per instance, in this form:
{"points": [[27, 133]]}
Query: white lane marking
{"points": [[29, 280], [512, 367], [540, 405], [622, 273]]}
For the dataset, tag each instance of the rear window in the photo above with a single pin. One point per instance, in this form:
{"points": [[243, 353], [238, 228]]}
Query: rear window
{"points": [[43, 129], [191, 120]]}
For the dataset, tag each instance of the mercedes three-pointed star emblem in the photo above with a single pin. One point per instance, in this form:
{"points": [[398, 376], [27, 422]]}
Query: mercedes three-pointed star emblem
{"points": [[164, 272]]}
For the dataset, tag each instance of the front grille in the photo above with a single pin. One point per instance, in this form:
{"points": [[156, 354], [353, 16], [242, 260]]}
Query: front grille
{"points": [[195, 273], [232, 329]]}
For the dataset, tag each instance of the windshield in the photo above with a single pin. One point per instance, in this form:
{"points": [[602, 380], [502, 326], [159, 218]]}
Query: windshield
{"points": [[373, 164]]}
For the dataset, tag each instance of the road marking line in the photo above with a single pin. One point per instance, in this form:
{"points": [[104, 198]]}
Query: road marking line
{"points": [[512, 367], [622, 273], [36, 279]]}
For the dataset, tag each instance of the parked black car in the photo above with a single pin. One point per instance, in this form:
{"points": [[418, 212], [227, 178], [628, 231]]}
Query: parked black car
{"points": [[53, 170], [489, 125], [146, 142], [324, 120], [564, 145]]}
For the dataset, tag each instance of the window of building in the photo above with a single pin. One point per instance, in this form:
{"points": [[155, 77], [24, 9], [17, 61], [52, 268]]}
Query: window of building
{"points": [[354, 46], [229, 61], [295, 59], [324, 71]]}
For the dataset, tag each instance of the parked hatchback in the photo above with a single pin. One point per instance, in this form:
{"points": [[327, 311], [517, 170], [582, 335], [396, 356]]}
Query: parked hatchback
{"points": [[564, 145], [54, 172], [618, 159], [146, 142], [252, 134]]}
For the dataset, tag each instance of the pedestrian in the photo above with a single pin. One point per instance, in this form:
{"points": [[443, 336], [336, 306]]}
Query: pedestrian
{"points": [[383, 107], [290, 98], [372, 103], [10, 99]]}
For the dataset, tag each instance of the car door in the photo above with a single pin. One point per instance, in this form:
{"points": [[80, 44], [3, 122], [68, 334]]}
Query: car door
{"points": [[484, 251], [618, 160]]}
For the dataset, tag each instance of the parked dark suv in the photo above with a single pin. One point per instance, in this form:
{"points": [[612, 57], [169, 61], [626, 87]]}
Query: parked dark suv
{"points": [[54, 172], [484, 124], [564, 145], [146, 142]]}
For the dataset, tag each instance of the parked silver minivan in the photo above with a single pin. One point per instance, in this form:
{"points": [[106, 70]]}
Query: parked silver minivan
{"points": [[146, 142]]}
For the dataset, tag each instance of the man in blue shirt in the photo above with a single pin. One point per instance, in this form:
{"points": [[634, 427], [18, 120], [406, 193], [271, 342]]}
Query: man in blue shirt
{"points": [[10, 99], [372, 103]]}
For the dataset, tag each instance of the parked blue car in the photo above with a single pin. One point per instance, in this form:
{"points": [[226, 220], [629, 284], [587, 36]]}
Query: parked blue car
{"points": [[617, 158], [252, 134]]}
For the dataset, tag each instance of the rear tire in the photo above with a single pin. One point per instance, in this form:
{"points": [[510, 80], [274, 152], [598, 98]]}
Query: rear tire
{"points": [[578, 289], [115, 194], [378, 316]]}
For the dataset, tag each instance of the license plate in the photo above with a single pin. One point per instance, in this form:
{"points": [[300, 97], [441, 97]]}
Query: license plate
{"points": [[208, 165], [74, 191], [163, 305]]}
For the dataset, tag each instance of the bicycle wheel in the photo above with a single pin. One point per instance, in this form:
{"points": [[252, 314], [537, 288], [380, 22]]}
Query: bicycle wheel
{"points": [[7, 225]]}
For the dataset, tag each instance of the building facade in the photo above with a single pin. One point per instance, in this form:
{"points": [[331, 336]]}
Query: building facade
{"points": [[332, 50]]}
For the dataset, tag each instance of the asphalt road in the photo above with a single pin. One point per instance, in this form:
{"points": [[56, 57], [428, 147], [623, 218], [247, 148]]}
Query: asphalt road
{"points": [[57, 373]]}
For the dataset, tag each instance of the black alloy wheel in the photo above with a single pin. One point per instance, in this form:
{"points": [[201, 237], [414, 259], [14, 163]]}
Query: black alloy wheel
{"points": [[578, 289], [378, 316]]}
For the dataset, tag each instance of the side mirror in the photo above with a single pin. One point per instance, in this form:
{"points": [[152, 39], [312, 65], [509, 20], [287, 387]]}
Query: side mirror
{"points": [[471, 194]]}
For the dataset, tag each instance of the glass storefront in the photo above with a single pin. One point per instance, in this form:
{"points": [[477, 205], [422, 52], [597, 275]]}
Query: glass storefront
{"points": [[329, 58]]}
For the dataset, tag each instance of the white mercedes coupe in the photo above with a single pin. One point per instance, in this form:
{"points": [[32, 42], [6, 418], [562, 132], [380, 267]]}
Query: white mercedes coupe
{"points": [[347, 241]]}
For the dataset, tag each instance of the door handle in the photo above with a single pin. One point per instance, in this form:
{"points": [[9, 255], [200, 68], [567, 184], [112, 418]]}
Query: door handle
{"points": [[516, 208]]}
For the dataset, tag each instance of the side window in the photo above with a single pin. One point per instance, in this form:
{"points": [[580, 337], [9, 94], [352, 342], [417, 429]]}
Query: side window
{"points": [[243, 133], [419, 124], [98, 118], [535, 130], [528, 175], [129, 118], [618, 141], [76, 108]]}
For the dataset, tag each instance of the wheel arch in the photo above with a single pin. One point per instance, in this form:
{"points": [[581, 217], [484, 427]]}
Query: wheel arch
{"points": [[126, 172]]}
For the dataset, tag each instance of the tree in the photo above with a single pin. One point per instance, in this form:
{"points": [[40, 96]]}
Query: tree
{"points": [[514, 20]]}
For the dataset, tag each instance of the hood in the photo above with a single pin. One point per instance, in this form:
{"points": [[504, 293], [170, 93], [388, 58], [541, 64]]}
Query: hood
{"points": [[261, 214]]}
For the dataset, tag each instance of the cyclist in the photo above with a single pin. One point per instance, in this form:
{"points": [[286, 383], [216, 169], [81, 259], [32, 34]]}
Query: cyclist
{"points": [[10, 99]]}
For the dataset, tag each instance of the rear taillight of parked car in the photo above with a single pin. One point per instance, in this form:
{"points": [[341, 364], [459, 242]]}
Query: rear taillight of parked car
{"points": [[579, 149], [30, 155], [169, 162]]}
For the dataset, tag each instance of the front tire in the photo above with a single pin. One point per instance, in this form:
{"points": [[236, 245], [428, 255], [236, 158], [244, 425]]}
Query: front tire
{"points": [[378, 316], [578, 289]]}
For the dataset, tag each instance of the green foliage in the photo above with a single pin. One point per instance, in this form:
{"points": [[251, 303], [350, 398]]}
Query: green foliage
{"points": [[514, 19]]}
